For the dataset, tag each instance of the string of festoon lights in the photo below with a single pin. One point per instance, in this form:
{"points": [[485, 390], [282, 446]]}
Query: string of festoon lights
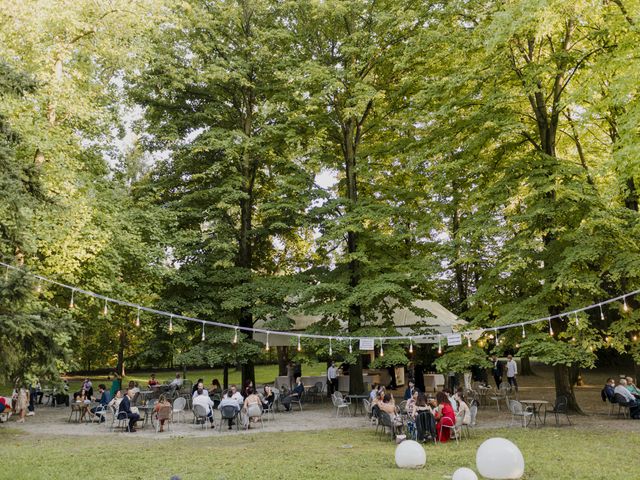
{"points": [[437, 337]]}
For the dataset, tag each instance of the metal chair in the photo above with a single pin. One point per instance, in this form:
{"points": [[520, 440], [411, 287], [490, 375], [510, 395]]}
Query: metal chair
{"points": [[200, 416], [255, 411], [517, 411], [559, 408], [178, 406], [76, 410], [454, 428], [340, 403], [229, 412], [297, 400], [386, 422], [121, 418], [623, 405], [166, 414]]}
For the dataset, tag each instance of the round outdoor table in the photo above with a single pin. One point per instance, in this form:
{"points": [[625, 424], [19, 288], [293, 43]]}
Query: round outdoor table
{"points": [[356, 399], [536, 406], [148, 414]]}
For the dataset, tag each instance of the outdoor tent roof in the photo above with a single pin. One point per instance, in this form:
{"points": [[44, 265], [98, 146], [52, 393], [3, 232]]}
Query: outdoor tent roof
{"points": [[436, 317]]}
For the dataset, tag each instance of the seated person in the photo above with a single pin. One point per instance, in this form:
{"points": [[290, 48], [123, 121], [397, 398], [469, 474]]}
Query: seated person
{"points": [[201, 397], [631, 386], [634, 407], [133, 389], [5, 408], [105, 398], [195, 386], [609, 390], [125, 406], [252, 407], [297, 392], [452, 400], [248, 384], [463, 410], [162, 402], [268, 398], [408, 393], [228, 400], [373, 393], [176, 383], [87, 386], [215, 392], [411, 404], [200, 390], [389, 407], [115, 401], [152, 381], [60, 397], [237, 396], [445, 415]]}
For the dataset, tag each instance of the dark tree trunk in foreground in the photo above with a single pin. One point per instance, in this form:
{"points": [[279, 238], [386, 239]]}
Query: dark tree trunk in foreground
{"points": [[525, 366], [565, 387], [283, 359], [225, 377]]}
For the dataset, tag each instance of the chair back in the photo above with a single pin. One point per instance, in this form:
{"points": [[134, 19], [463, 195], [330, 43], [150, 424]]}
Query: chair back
{"points": [[620, 400], [338, 394], [136, 397], [515, 407], [319, 386], [403, 406], [228, 412], [367, 405], [385, 419], [165, 412], [459, 420], [334, 400], [254, 410], [561, 404], [199, 411], [179, 404]]}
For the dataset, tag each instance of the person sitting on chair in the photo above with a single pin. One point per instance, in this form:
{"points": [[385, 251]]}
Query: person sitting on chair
{"points": [[162, 402], [201, 397], [252, 407], [445, 415], [105, 398], [632, 388], [236, 395], [268, 398], [632, 403], [125, 406], [408, 393], [297, 392], [176, 383], [609, 390], [152, 381], [228, 400]]}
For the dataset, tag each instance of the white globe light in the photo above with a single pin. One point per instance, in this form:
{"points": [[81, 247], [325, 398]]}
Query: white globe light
{"points": [[410, 454], [464, 474], [498, 459]]}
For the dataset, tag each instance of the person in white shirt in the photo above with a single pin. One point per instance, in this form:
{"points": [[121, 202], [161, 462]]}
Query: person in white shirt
{"points": [[228, 400], [199, 387], [237, 396], [332, 378], [176, 382], [512, 371], [201, 397]]}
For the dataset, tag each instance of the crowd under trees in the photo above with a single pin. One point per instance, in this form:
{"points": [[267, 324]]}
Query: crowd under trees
{"points": [[481, 154]]}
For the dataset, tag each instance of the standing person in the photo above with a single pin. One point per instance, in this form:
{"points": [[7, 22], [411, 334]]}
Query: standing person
{"points": [[332, 378], [512, 371], [115, 385], [496, 370], [125, 406]]}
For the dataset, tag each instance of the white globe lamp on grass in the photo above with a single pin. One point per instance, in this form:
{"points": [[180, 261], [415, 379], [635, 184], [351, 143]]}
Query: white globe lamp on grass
{"points": [[410, 454], [464, 474], [499, 459]]}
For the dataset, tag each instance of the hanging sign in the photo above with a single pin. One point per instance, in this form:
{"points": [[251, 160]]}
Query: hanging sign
{"points": [[454, 339], [366, 344]]}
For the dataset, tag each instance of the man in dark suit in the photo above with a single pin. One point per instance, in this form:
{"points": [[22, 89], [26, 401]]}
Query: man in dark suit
{"points": [[496, 370], [125, 406]]}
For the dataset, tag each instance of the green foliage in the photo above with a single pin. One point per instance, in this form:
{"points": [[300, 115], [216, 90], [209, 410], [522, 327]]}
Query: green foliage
{"points": [[462, 359]]}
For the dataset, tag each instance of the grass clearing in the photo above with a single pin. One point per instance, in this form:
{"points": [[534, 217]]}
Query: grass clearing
{"points": [[550, 453]]}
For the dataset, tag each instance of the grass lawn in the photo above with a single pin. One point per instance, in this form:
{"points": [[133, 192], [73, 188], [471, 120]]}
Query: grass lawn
{"points": [[549, 453], [264, 374]]}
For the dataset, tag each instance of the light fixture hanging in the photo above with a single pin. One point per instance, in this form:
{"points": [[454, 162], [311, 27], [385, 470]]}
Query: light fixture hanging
{"points": [[105, 310], [235, 336], [71, 304], [469, 340], [550, 329], [138, 318], [410, 345], [299, 346], [601, 312], [439, 346], [267, 345], [171, 323], [577, 319], [330, 348], [497, 340], [203, 331], [524, 335], [625, 307], [350, 347], [381, 349]]}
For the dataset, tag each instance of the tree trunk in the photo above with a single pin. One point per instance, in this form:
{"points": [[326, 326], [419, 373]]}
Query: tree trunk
{"points": [[122, 337], [225, 376], [356, 383], [525, 366], [565, 387], [283, 359]]}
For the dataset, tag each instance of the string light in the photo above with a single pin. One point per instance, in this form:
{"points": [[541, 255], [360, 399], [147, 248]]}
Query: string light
{"points": [[469, 341], [267, 345], [410, 345], [235, 336], [497, 341], [635, 337], [330, 348], [72, 305], [203, 331], [381, 349], [138, 319], [350, 347], [299, 346], [601, 313], [550, 329], [171, 323], [439, 346], [625, 307], [105, 310], [577, 320], [524, 335]]}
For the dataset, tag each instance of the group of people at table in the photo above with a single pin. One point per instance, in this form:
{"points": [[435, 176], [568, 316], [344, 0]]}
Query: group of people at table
{"points": [[625, 393], [440, 411], [248, 402]]}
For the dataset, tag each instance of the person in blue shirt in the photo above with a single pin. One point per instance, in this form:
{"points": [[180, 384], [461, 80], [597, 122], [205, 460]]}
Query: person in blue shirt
{"points": [[105, 398], [408, 393]]}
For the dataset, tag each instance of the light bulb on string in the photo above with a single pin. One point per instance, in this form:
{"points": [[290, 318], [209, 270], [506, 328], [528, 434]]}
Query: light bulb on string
{"points": [[6, 274], [601, 313], [439, 346], [550, 329], [577, 319], [635, 337], [267, 345], [625, 307], [138, 318], [105, 310], [235, 336], [524, 335], [381, 349], [469, 340], [72, 305], [171, 323], [299, 346], [203, 337], [350, 347], [497, 340], [330, 348], [410, 345]]}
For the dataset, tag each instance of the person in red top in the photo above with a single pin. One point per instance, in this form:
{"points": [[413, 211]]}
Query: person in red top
{"points": [[444, 414], [152, 381]]}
